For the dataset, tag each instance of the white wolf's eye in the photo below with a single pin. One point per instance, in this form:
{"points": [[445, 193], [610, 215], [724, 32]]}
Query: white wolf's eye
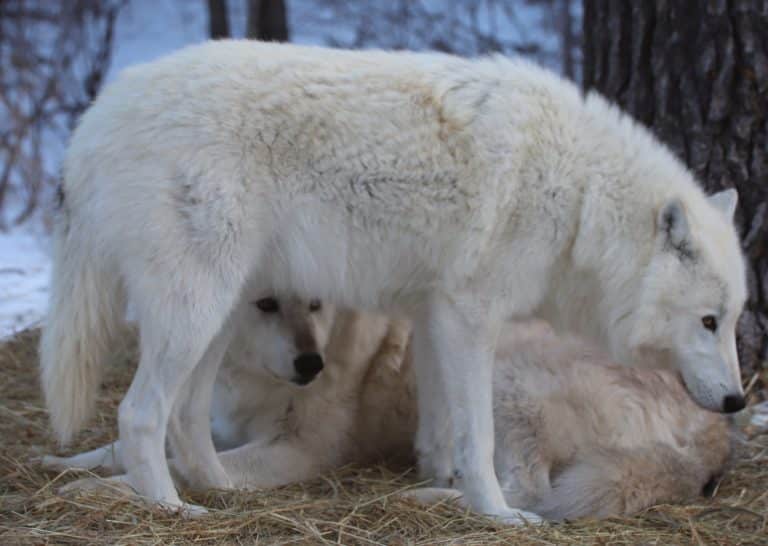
{"points": [[267, 305], [710, 323]]}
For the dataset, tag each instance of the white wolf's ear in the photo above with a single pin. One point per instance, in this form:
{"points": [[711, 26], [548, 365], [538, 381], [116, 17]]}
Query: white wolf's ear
{"points": [[673, 225], [725, 201]]}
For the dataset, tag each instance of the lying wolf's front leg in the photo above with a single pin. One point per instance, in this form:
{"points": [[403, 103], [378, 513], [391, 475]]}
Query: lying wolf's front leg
{"points": [[105, 457], [457, 347], [256, 466]]}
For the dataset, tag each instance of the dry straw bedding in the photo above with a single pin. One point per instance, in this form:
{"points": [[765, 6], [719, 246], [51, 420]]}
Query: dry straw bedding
{"points": [[350, 506]]}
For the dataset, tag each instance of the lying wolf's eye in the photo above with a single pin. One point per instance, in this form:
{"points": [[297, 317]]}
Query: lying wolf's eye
{"points": [[267, 305], [710, 323], [315, 305]]}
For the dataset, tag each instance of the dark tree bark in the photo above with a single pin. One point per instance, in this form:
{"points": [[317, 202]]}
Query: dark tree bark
{"points": [[218, 19], [267, 20], [697, 74], [566, 38]]}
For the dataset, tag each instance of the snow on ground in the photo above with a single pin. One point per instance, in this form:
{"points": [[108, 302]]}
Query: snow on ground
{"points": [[24, 272]]}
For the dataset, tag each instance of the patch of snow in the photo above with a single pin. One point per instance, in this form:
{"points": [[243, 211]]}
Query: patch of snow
{"points": [[25, 269]]}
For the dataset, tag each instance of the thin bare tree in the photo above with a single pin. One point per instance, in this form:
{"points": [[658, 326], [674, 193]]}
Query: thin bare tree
{"points": [[53, 59]]}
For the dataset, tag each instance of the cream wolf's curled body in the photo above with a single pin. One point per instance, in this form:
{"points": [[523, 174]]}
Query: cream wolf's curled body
{"points": [[455, 192], [575, 435]]}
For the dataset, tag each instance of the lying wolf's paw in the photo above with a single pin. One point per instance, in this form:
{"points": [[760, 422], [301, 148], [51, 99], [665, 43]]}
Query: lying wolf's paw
{"points": [[52, 462], [116, 483]]}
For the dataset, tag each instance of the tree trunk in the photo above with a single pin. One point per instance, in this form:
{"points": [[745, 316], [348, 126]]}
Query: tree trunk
{"points": [[696, 73], [566, 38], [267, 20], [218, 19]]}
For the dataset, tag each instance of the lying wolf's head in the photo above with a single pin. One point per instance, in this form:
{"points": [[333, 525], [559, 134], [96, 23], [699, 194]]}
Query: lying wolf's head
{"points": [[289, 336], [692, 297]]}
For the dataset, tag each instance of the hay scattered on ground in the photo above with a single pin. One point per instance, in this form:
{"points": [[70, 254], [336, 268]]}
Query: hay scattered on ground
{"points": [[351, 506]]}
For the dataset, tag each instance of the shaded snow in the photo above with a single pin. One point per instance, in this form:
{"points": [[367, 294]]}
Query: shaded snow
{"points": [[24, 272]]}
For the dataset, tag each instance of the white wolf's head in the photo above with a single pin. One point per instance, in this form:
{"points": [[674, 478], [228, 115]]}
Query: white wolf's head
{"points": [[286, 336], [692, 297]]}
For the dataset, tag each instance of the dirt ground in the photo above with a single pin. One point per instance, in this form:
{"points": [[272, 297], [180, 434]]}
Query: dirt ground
{"points": [[351, 506]]}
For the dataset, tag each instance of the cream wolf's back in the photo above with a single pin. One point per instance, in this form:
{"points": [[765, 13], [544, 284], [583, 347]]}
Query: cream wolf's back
{"points": [[576, 434]]}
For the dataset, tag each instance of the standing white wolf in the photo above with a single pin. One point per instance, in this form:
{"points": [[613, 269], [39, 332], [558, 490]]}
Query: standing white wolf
{"points": [[455, 192]]}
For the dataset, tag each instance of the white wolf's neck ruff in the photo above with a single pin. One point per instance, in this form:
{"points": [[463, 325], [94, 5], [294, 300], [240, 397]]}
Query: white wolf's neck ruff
{"points": [[626, 176]]}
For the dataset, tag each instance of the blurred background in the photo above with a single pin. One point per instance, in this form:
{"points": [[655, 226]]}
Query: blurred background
{"points": [[695, 72]]}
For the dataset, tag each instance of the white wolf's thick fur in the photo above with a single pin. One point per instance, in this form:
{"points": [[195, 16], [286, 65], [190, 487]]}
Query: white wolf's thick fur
{"points": [[454, 191], [575, 435]]}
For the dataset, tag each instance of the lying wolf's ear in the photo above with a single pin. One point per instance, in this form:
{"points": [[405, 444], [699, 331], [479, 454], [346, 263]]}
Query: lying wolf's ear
{"points": [[725, 201], [673, 225]]}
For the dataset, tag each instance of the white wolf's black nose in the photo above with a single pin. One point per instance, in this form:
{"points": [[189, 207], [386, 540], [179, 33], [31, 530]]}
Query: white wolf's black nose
{"points": [[307, 366], [733, 403]]}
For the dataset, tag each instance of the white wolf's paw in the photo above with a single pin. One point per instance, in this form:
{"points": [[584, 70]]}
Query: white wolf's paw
{"points": [[186, 510], [513, 516], [433, 495], [120, 484]]}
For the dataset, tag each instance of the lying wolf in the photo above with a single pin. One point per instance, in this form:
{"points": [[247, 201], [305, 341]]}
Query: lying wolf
{"points": [[575, 435], [457, 193]]}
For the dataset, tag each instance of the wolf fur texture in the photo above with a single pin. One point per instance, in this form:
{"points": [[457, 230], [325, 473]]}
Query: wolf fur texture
{"points": [[575, 434], [454, 192]]}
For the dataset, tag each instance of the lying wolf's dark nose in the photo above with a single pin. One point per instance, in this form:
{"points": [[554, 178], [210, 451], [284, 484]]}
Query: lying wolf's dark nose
{"points": [[308, 366], [733, 403]]}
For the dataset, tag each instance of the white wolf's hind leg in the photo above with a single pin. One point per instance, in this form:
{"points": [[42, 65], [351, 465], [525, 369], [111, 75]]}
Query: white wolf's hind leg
{"points": [[460, 355], [178, 321]]}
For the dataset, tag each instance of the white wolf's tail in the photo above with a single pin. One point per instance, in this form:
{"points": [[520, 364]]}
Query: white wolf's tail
{"points": [[85, 310], [619, 482]]}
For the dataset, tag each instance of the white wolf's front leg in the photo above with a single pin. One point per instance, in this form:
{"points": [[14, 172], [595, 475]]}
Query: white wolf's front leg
{"points": [[433, 435], [457, 351], [180, 312]]}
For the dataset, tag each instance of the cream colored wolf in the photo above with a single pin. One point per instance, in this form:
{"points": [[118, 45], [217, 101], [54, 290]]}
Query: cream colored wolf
{"points": [[454, 192], [575, 435]]}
